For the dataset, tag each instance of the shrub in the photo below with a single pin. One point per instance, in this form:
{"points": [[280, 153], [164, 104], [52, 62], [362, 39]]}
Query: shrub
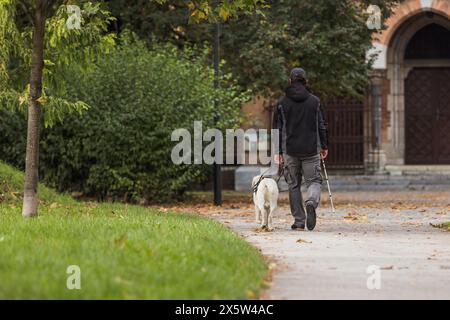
{"points": [[120, 148]]}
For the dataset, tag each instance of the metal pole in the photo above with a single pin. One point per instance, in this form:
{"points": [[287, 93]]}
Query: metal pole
{"points": [[217, 173], [328, 184]]}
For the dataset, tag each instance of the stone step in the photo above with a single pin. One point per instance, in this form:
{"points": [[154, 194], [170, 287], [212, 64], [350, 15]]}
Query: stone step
{"points": [[387, 182], [425, 181], [418, 170]]}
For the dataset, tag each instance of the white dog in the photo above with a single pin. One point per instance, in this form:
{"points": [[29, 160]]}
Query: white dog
{"points": [[265, 199]]}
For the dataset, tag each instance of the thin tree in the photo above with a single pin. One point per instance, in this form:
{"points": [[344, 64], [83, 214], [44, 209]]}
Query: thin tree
{"points": [[30, 200], [44, 17], [39, 13], [28, 30]]}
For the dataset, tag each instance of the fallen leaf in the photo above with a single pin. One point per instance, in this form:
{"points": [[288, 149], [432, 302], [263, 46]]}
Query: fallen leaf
{"points": [[387, 268], [251, 295], [401, 206], [355, 217], [412, 223]]}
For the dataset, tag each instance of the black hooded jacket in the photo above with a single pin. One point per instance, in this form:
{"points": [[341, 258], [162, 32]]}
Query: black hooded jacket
{"points": [[300, 119]]}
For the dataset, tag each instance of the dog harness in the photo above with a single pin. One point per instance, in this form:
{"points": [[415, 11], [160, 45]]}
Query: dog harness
{"points": [[263, 176]]}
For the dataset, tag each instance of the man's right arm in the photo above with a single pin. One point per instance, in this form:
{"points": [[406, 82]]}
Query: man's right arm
{"points": [[323, 128], [277, 123], [323, 132]]}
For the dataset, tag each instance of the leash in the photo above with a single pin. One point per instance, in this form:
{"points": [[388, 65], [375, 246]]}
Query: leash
{"points": [[281, 173], [263, 176]]}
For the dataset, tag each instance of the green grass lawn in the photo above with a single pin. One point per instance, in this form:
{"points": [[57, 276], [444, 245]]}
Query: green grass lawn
{"points": [[123, 251]]}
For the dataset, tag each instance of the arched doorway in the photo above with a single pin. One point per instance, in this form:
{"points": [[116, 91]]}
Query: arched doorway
{"points": [[418, 73], [427, 96]]}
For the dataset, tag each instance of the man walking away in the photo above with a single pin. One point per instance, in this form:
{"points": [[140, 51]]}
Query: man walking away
{"points": [[299, 117]]}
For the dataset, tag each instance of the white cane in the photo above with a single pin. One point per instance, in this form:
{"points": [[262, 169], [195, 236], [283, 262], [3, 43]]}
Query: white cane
{"points": [[328, 184]]}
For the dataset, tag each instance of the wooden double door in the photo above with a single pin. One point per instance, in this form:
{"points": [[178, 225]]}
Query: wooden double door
{"points": [[427, 116]]}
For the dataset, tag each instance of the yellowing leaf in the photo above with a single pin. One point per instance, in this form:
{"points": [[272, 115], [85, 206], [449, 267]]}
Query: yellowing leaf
{"points": [[224, 14], [41, 100], [22, 100], [191, 5], [199, 14]]}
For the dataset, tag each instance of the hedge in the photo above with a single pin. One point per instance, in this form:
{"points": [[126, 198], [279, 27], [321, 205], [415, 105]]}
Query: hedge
{"points": [[120, 148]]}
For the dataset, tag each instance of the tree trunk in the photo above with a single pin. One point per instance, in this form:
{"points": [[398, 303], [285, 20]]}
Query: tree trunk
{"points": [[30, 201]]}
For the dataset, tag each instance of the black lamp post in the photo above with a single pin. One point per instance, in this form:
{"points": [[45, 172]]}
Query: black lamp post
{"points": [[217, 173]]}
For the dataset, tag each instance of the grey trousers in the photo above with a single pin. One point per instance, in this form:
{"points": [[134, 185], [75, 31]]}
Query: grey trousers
{"points": [[294, 169]]}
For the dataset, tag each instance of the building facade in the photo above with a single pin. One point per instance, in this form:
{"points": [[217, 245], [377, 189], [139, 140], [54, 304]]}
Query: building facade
{"points": [[404, 124], [408, 109]]}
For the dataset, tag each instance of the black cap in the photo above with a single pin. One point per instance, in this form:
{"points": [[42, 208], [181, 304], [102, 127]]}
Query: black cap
{"points": [[298, 74]]}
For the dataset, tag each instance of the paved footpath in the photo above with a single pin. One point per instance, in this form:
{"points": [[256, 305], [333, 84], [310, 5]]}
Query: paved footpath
{"points": [[388, 230]]}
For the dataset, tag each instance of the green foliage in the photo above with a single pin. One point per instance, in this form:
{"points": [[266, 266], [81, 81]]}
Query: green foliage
{"points": [[11, 45], [65, 48], [123, 251], [9, 40], [121, 146], [213, 10], [75, 48], [13, 128], [328, 38]]}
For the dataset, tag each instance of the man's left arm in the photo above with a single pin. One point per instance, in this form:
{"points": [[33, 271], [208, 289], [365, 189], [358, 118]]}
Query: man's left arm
{"points": [[277, 123]]}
